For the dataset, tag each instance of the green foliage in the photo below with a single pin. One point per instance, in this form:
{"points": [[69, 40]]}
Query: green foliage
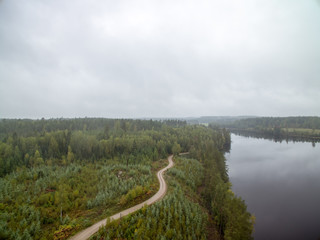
{"points": [[176, 148], [43, 192], [133, 194], [188, 171], [227, 211], [58, 175], [179, 217], [174, 217], [23, 222], [239, 223], [131, 141], [27, 127]]}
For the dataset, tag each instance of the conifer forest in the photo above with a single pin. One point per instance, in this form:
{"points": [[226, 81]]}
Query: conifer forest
{"points": [[59, 176]]}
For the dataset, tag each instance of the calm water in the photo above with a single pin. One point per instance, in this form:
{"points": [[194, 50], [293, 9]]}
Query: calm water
{"points": [[280, 183]]}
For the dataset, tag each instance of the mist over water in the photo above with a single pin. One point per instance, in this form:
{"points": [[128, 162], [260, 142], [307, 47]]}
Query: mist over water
{"points": [[280, 183]]}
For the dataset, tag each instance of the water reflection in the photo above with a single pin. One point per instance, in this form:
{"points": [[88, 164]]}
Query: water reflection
{"points": [[280, 183], [287, 139]]}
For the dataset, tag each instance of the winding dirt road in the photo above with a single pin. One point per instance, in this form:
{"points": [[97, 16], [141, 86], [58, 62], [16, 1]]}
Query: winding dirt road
{"points": [[86, 233]]}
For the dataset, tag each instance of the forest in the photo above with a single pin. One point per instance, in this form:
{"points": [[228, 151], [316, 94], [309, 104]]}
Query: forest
{"points": [[59, 176], [278, 128]]}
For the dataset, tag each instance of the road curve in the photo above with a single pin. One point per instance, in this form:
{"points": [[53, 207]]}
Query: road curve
{"points": [[86, 233]]}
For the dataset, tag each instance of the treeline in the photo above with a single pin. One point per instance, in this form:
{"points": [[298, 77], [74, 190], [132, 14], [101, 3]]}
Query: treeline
{"points": [[293, 128], [60, 141], [28, 127], [281, 122], [228, 213]]}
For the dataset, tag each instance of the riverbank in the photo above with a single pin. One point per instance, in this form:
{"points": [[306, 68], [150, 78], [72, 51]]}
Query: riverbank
{"points": [[282, 134]]}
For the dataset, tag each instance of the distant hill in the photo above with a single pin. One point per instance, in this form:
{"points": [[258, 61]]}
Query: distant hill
{"points": [[215, 119]]}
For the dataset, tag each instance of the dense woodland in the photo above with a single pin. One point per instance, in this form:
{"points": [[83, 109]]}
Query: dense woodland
{"points": [[60, 175], [294, 128], [32, 143]]}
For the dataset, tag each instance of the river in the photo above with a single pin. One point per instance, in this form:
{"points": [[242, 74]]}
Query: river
{"points": [[280, 183]]}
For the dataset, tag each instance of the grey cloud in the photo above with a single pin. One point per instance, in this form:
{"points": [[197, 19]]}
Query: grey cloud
{"points": [[150, 58]]}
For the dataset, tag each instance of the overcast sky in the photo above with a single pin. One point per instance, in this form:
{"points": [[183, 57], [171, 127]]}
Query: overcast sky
{"points": [[168, 58]]}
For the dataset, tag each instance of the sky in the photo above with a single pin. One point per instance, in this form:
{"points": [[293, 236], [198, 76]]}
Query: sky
{"points": [[132, 59]]}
